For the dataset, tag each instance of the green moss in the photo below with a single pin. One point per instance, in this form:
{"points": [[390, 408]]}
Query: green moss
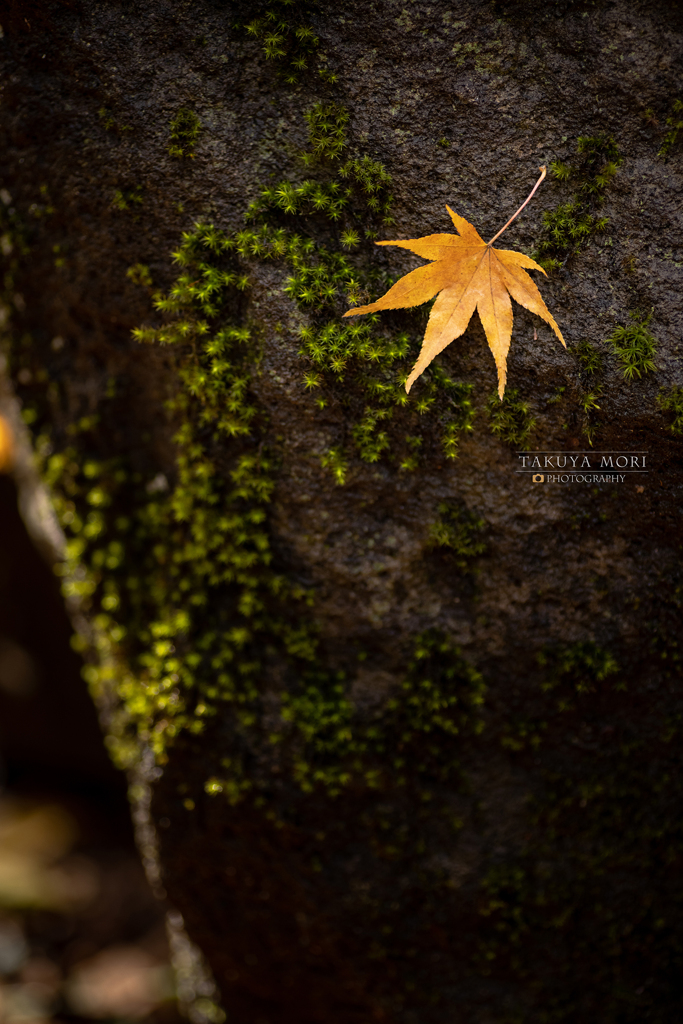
{"points": [[591, 360], [288, 40], [329, 744], [674, 123], [110, 123], [180, 588], [361, 365], [175, 572], [179, 585], [572, 224], [580, 667], [327, 130], [411, 734], [190, 614], [185, 130], [458, 531], [126, 198], [335, 460], [589, 404], [139, 274], [672, 401], [510, 419], [635, 346], [590, 357]]}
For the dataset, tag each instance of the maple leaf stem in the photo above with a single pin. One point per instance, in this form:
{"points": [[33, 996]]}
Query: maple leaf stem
{"points": [[543, 173]]}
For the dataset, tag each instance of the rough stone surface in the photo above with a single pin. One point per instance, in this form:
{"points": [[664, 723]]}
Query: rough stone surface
{"points": [[319, 921]]}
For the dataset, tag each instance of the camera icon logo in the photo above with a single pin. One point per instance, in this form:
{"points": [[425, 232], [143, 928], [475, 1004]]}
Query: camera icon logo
{"points": [[537, 478]]}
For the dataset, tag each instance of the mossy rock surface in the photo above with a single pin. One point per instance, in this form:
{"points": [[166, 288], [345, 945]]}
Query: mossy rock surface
{"points": [[396, 780]]}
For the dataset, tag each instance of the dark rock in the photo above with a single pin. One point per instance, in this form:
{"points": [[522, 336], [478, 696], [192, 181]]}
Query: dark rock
{"points": [[538, 880]]}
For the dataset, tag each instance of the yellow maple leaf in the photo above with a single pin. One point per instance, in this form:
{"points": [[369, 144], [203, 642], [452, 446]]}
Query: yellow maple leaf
{"points": [[467, 273]]}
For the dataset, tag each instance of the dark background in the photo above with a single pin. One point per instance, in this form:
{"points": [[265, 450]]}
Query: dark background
{"points": [[56, 776]]}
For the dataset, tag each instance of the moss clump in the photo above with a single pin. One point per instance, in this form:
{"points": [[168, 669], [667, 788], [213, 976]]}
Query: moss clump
{"points": [[674, 123], [589, 403], [580, 667], [335, 460], [185, 130], [672, 401], [360, 182], [186, 611], [288, 39], [126, 198], [569, 227], [175, 571], [591, 360], [327, 131], [140, 274], [590, 357], [376, 365], [634, 346], [362, 365], [176, 575], [327, 743], [510, 419], [458, 530], [110, 123], [410, 736]]}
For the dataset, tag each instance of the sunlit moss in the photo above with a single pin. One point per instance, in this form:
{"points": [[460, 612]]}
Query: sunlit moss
{"points": [[177, 574], [287, 39]]}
